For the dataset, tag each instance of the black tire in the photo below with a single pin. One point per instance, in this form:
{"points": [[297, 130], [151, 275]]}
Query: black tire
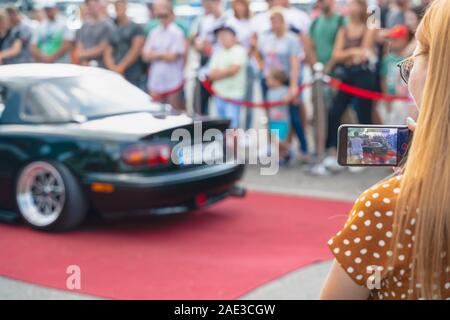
{"points": [[72, 211]]}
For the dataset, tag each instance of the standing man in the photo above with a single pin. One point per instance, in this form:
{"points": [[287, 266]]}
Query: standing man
{"points": [[323, 33], [123, 53], [153, 23], [24, 32], [94, 35], [227, 71], [10, 43], [165, 49], [52, 40], [357, 147]]}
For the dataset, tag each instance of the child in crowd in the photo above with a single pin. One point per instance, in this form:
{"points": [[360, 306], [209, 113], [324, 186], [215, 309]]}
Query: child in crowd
{"points": [[279, 115], [227, 71], [397, 111]]}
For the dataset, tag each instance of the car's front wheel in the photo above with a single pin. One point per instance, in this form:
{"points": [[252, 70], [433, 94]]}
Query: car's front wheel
{"points": [[49, 197]]}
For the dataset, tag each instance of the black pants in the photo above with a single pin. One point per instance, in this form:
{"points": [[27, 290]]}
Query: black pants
{"points": [[357, 76], [204, 94], [204, 100]]}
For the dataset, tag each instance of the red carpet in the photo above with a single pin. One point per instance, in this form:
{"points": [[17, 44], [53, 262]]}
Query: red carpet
{"points": [[221, 252]]}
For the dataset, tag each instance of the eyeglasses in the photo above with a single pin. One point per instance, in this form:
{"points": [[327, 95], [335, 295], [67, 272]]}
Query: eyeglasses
{"points": [[406, 66]]}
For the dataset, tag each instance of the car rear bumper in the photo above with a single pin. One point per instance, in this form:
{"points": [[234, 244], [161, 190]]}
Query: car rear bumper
{"points": [[164, 193]]}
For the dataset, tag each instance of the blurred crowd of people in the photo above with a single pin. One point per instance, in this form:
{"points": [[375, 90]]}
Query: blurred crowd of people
{"points": [[238, 50]]}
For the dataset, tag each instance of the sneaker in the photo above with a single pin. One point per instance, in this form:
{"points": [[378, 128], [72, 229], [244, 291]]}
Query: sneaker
{"points": [[331, 164], [356, 169], [319, 170], [285, 161]]}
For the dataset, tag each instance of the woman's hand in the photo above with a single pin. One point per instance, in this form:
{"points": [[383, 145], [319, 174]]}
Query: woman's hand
{"points": [[411, 124]]}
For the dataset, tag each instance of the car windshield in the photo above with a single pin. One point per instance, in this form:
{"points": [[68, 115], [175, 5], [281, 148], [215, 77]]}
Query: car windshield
{"points": [[90, 96]]}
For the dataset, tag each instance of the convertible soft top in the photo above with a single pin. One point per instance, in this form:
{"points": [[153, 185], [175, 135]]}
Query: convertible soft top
{"points": [[31, 72]]}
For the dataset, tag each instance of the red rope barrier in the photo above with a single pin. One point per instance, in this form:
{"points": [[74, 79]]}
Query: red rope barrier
{"points": [[335, 83], [363, 93], [163, 95], [250, 104]]}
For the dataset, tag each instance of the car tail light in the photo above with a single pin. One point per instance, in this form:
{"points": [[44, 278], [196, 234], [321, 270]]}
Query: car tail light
{"points": [[151, 155], [201, 200]]}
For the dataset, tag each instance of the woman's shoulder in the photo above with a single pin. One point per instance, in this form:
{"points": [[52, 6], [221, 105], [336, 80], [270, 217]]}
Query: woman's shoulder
{"points": [[381, 195], [365, 239]]}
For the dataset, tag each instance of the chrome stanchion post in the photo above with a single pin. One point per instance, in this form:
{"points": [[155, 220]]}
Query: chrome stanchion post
{"points": [[319, 118]]}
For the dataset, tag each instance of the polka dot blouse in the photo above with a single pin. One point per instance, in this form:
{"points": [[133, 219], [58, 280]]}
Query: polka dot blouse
{"points": [[363, 246]]}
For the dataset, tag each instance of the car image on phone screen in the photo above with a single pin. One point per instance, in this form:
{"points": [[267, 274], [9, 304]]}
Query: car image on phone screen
{"points": [[372, 145]]}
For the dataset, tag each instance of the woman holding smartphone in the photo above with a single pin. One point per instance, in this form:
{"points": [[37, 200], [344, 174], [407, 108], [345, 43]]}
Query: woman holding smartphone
{"points": [[395, 243]]}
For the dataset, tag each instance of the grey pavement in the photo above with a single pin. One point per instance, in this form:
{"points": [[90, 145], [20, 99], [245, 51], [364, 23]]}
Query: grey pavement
{"points": [[11, 289], [295, 180], [304, 283]]}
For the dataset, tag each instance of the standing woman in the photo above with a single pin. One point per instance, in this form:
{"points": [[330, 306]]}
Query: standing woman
{"points": [[239, 20], [279, 48], [395, 244], [355, 65]]}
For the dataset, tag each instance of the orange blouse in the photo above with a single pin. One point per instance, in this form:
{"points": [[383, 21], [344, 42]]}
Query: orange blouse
{"points": [[363, 246]]}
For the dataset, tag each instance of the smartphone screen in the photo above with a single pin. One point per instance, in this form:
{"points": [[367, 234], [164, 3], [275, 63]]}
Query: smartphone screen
{"points": [[372, 145]]}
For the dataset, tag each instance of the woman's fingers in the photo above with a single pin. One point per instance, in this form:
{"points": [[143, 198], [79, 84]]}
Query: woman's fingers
{"points": [[397, 170], [411, 123]]}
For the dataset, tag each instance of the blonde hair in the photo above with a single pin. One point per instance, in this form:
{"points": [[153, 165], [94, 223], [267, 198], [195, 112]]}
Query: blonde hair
{"points": [[425, 186], [3, 14], [277, 12]]}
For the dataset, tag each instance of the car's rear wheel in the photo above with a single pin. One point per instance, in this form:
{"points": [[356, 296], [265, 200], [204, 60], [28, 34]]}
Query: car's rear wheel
{"points": [[49, 197]]}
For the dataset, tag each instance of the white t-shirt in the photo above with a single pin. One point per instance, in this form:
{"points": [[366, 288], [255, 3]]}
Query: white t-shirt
{"points": [[242, 28], [164, 76], [295, 19], [357, 148], [207, 25], [50, 35]]}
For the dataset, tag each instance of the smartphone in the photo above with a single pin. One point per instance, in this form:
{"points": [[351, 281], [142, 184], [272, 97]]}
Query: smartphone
{"points": [[372, 145]]}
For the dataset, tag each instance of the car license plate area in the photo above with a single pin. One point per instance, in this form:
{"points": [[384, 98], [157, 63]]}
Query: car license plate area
{"points": [[207, 153]]}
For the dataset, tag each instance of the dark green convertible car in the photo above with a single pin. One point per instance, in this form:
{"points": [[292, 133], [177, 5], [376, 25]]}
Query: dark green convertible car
{"points": [[75, 140]]}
